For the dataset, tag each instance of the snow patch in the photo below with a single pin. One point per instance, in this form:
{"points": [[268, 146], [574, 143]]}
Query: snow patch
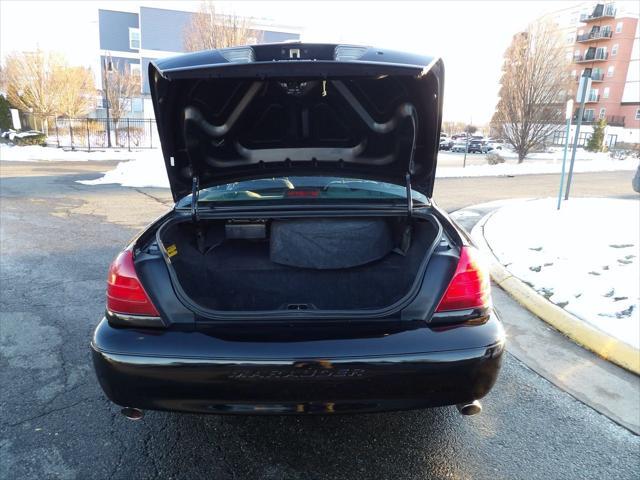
{"points": [[538, 166], [583, 258], [148, 170]]}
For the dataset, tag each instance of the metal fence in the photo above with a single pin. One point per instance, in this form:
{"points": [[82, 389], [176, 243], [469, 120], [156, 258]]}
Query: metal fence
{"points": [[95, 133], [559, 138]]}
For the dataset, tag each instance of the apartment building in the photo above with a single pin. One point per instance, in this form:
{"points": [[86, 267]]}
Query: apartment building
{"points": [[603, 37], [132, 39], [605, 45]]}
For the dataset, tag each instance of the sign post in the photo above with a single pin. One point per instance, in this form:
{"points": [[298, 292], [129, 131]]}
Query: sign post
{"points": [[567, 115], [583, 88]]}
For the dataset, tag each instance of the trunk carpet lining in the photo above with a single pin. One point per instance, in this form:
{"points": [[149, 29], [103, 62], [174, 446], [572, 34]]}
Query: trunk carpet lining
{"points": [[239, 275]]}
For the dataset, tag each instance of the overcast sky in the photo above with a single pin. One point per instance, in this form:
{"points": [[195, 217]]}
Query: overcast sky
{"points": [[470, 36]]}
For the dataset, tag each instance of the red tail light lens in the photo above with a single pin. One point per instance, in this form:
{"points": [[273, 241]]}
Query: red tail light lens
{"points": [[125, 294], [469, 287]]}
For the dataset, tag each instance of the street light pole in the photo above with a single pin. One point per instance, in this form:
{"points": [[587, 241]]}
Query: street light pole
{"points": [[106, 68], [583, 88], [567, 116]]}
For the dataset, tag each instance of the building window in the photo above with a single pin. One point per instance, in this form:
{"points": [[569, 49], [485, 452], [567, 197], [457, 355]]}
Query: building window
{"points": [[134, 68], [614, 50], [610, 71], [605, 92], [603, 112], [638, 114], [134, 38], [619, 27], [137, 105], [588, 114]]}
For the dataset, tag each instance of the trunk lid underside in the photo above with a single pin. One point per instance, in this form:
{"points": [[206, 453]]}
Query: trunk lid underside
{"points": [[374, 117]]}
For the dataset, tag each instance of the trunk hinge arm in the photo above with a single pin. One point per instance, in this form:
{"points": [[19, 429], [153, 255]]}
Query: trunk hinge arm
{"points": [[195, 217], [409, 197], [412, 153], [195, 190]]}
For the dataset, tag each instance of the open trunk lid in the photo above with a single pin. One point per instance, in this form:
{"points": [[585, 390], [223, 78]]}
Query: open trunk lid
{"points": [[298, 109]]}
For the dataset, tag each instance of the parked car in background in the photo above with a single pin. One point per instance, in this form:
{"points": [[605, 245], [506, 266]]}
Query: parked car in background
{"points": [[296, 273], [494, 144], [470, 146], [459, 146], [476, 145], [446, 144]]}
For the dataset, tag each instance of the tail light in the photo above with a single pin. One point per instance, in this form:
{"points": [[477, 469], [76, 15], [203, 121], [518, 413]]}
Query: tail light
{"points": [[125, 293], [469, 287]]}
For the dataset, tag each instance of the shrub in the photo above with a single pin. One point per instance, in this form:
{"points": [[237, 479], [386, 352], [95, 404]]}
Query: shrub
{"points": [[32, 138], [623, 150], [494, 158]]}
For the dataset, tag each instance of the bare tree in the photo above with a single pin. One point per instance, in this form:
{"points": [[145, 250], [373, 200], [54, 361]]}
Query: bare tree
{"points": [[35, 81], [209, 29], [534, 85], [3, 80], [452, 127], [120, 86], [77, 97]]}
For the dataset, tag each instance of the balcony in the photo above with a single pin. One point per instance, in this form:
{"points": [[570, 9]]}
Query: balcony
{"points": [[598, 57], [601, 11], [595, 77], [612, 120], [592, 36]]}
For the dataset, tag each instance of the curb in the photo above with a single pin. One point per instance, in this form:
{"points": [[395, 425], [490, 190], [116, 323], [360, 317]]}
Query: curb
{"points": [[600, 343]]}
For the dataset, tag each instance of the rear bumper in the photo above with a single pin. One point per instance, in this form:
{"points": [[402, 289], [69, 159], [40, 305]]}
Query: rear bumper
{"points": [[367, 381]]}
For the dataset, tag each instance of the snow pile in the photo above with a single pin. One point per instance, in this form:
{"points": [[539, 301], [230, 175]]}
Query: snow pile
{"points": [[583, 258], [35, 153], [147, 170], [600, 163]]}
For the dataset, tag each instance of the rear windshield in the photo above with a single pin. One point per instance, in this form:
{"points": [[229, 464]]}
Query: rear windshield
{"points": [[304, 189]]}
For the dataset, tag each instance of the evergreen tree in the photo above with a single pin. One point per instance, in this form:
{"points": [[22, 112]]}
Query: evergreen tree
{"points": [[5, 114], [597, 139]]}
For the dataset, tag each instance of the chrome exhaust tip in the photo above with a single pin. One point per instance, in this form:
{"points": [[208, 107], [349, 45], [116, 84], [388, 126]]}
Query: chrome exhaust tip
{"points": [[132, 413], [472, 408]]}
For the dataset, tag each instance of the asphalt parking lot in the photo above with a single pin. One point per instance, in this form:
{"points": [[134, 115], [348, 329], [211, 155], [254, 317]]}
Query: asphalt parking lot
{"points": [[58, 238]]}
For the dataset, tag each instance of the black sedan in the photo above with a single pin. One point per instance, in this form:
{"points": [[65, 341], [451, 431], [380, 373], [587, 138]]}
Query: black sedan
{"points": [[305, 267]]}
